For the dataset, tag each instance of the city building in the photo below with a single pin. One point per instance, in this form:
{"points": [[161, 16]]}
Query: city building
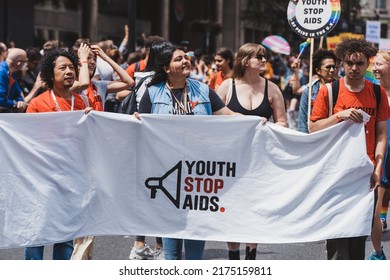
{"points": [[205, 24]]}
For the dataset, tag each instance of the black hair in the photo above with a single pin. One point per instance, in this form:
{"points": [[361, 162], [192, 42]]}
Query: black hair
{"points": [[33, 54], [155, 50], [352, 46], [78, 43], [226, 54], [163, 58], [198, 53], [149, 41], [47, 71], [321, 54]]}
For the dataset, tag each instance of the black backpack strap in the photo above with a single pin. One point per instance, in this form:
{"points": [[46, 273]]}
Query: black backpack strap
{"points": [[335, 91], [377, 91], [129, 104], [136, 69]]}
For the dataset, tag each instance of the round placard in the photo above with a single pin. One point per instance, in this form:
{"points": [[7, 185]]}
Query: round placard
{"points": [[313, 18]]}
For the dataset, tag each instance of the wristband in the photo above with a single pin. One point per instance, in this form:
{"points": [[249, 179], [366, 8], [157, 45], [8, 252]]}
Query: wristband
{"points": [[83, 61], [338, 118]]}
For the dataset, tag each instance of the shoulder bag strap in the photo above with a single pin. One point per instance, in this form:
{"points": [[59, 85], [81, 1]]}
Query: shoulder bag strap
{"points": [[330, 101]]}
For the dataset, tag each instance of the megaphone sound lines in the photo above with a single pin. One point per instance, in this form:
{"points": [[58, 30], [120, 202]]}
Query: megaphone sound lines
{"points": [[203, 184]]}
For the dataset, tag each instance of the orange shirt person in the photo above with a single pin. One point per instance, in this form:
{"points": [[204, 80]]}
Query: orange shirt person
{"points": [[59, 71], [131, 69], [355, 93], [59, 81], [224, 59]]}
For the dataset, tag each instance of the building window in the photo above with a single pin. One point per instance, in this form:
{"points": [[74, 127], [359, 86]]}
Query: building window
{"points": [[380, 4]]}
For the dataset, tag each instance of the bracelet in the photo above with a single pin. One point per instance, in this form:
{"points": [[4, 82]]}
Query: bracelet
{"points": [[338, 118], [84, 61]]}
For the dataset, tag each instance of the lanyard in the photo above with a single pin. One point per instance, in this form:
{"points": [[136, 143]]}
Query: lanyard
{"points": [[58, 105], [180, 105]]}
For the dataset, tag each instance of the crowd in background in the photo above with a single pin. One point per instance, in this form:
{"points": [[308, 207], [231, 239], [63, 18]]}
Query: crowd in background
{"points": [[210, 69]]}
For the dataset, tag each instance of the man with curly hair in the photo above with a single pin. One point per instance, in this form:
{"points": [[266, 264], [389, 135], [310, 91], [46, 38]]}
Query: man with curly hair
{"points": [[59, 71], [355, 93]]}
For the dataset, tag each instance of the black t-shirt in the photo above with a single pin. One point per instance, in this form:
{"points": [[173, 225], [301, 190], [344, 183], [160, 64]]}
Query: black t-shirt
{"points": [[145, 105]]}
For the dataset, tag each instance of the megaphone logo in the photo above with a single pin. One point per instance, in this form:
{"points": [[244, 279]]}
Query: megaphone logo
{"points": [[157, 183], [202, 182]]}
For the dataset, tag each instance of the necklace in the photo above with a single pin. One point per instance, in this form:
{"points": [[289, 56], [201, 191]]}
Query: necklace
{"points": [[58, 105], [182, 105]]}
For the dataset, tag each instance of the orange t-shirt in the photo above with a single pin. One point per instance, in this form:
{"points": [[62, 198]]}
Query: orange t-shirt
{"points": [[216, 80], [131, 68], [95, 97], [364, 100], [45, 103]]}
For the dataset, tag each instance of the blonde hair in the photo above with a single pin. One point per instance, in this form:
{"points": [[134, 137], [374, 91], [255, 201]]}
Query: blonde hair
{"points": [[385, 54], [244, 54]]}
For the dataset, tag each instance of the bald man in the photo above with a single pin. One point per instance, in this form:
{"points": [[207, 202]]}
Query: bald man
{"points": [[3, 51], [11, 96]]}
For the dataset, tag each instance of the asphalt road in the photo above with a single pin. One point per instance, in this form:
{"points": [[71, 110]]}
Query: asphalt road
{"points": [[118, 248]]}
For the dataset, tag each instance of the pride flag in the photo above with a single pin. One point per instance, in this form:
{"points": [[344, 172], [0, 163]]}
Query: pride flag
{"points": [[304, 45], [370, 74]]}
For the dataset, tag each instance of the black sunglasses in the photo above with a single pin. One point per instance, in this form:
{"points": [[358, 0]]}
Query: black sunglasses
{"points": [[328, 67], [261, 56]]}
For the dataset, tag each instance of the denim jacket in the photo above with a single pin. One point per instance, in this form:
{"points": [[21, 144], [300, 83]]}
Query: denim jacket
{"points": [[198, 94], [302, 117]]}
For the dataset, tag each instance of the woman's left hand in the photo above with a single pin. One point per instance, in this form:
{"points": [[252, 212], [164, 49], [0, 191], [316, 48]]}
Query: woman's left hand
{"points": [[263, 121], [137, 115], [87, 110]]}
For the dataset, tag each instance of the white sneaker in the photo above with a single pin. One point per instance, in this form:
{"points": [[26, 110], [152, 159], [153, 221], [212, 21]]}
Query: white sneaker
{"points": [[144, 253], [159, 254]]}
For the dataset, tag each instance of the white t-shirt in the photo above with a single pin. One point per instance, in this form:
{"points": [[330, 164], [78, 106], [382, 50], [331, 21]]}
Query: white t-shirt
{"points": [[104, 70]]}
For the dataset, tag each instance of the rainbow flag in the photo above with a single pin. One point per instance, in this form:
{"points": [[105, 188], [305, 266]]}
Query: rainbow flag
{"points": [[370, 75], [304, 45]]}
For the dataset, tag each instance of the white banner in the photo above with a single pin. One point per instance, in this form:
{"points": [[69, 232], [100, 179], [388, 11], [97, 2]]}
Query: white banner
{"points": [[67, 175]]}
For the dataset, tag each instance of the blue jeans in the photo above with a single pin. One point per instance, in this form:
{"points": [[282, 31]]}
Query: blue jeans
{"points": [[61, 251], [173, 249]]}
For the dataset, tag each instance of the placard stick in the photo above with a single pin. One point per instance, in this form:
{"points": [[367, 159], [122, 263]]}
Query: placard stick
{"points": [[321, 42], [310, 80]]}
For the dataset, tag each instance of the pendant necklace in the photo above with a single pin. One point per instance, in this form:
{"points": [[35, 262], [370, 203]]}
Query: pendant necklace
{"points": [[182, 105]]}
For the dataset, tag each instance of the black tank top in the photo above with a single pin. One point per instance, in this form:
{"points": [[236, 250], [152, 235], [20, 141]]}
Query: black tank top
{"points": [[263, 110]]}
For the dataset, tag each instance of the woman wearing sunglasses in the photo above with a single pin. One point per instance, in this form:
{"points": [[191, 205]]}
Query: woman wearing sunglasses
{"points": [[324, 71], [250, 94]]}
